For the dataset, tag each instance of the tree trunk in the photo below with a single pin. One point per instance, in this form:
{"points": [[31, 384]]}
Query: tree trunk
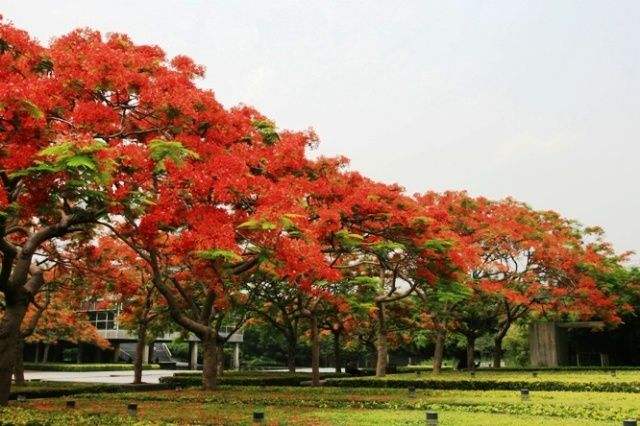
{"points": [[471, 356], [382, 345], [209, 362], [315, 352], [139, 361], [221, 362], [45, 354], [497, 352], [292, 346], [18, 369], [9, 336], [438, 352], [497, 344], [337, 352]]}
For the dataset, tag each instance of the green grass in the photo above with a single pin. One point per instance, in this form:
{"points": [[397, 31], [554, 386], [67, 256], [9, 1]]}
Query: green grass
{"points": [[332, 406]]}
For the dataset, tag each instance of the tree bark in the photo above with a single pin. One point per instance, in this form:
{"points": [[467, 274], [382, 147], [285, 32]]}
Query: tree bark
{"points": [[337, 352], [9, 336], [209, 362], [45, 354], [438, 352], [292, 346], [138, 361], [315, 351], [18, 369], [471, 355], [382, 345], [497, 352], [497, 344]]}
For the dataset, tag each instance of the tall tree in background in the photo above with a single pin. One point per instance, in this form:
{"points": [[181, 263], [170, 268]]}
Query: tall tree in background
{"points": [[527, 261]]}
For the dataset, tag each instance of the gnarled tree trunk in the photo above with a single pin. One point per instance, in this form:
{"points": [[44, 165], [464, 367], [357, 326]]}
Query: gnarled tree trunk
{"points": [[9, 336], [438, 352], [210, 357], [381, 344]]}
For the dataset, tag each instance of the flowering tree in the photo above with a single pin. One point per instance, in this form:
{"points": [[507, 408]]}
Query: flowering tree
{"points": [[384, 237], [80, 123], [526, 262]]}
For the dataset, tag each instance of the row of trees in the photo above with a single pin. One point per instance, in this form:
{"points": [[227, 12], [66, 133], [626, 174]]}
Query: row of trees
{"points": [[119, 173]]}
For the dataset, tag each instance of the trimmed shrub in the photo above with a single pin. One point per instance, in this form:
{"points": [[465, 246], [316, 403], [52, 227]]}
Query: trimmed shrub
{"points": [[31, 366], [253, 378], [542, 385], [414, 368], [55, 390]]}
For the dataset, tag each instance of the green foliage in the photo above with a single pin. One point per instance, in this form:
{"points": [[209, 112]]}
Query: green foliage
{"points": [[365, 281], [267, 130], [257, 225], [440, 246], [267, 379], [161, 150], [384, 248], [487, 379], [516, 346], [227, 256], [451, 292], [84, 172], [32, 109], [348, 240], [83, 367]]}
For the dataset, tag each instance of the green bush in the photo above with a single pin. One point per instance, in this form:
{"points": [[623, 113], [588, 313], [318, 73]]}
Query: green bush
{"points": [[542, 385], [414, 368], [58, 389], [84, 367], [265, 378]]}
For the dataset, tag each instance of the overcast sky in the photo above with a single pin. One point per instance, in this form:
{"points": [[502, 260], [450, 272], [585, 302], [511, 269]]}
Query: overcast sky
{"points": [[539, 100]]}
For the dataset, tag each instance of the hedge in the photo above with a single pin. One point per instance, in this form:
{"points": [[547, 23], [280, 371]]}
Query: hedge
{"points": [[543, 385], [58, 390], [187, 379], [32, 366], [414, 368]]}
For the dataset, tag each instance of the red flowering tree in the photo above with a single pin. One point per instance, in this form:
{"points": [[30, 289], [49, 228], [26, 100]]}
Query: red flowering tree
{"points": [[525, 262], [377, 233], [82, 122]]}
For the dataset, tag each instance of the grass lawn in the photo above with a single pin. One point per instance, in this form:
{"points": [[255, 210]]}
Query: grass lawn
{"points": [[329, 406]]}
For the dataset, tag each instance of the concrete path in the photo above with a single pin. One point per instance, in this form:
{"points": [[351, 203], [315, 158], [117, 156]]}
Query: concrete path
{"points": [[148, 376]]}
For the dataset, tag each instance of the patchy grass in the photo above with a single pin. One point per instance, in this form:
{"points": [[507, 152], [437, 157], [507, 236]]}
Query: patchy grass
{"points": [[307, 406]]}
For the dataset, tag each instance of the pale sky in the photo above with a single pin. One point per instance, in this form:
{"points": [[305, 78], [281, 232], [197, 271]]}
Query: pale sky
{"points": [[535, 99]]}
